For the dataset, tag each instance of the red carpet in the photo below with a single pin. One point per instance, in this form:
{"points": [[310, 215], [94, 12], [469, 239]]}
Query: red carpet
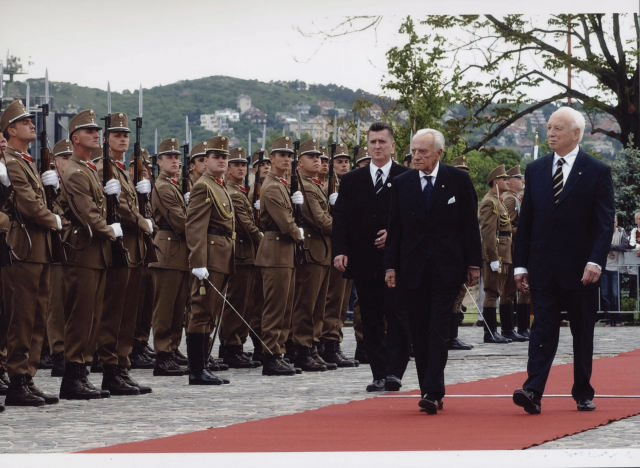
{"points": [[395, 424]]}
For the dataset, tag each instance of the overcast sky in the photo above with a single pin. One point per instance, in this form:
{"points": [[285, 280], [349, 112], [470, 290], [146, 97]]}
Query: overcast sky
{"points": [[157, 42]]}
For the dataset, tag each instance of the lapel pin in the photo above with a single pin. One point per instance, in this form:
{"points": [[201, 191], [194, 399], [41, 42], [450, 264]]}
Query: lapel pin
{"points": [[388, 184]]}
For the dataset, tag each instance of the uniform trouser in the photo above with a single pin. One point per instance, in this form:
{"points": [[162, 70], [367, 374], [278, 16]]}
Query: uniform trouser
{"points": [[83, 303], [4, 323], [233, 331], [129, 316], [278, 287], [319, 309], [581, 305], [170, 291], [309, 281], [509, 291], [257, 301], [26, 295], [56, 313], [145, 308], [335, 307], [206, 309], [109, 322], [493, 284]]}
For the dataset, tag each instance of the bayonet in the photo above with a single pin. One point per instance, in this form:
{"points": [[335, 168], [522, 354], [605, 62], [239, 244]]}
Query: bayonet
{"points": [[46, 86], [108, 98]]}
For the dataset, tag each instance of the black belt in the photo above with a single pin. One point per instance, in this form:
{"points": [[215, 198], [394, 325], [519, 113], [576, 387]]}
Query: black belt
{"points": [[504, 234], [220, 232]]}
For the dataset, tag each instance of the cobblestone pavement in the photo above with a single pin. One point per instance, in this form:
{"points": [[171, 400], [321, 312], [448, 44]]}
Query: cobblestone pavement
{"points": [[174, 407]]}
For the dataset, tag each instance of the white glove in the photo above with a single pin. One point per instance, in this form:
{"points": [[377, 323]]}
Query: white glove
{"points": [[495, 266], [332, 198], [112, 187], [200, 273], [187, 197], [301, 232], [4, 177], [58, 222], [117, 229], [150, 223], [143, 187], [256, 205], [297, 198], [50, 177]]}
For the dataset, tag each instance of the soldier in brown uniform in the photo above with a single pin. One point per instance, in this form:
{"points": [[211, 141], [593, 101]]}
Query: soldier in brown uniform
{"points": [[5, 223], [210, 238], [197, 163], [88, 255], [233, 330], [171, 272], [511, 199], [26, 282], [116, 325], [495, 229], [275, 256], [362, 158]]}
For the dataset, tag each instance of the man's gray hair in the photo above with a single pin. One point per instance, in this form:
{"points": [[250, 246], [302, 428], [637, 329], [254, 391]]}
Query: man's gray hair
{"points": [[575, 116], [438, 137]]}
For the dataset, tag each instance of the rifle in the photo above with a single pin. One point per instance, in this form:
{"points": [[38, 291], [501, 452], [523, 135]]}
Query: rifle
{"points": [[257, 185], [300, 254], [185, 159], [356, 150], [331, 179]]}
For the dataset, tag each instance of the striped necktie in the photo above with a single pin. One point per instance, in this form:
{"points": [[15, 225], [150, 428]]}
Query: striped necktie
{"points": [[557, 181], [427, 190], [378, 185]]}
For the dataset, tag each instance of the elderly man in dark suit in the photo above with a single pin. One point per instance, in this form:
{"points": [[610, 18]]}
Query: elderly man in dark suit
{"points": [[564, 233], [360, 218], [433, 247]]}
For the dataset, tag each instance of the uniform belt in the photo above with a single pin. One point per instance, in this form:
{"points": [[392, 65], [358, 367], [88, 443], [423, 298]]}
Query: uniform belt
{"points": [[504, 234], [220, 232], [164, 226]]}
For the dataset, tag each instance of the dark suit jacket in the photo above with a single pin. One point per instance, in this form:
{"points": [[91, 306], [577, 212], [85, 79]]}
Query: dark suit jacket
{"points": [[555, 242], [358, 215], [443, 240]]}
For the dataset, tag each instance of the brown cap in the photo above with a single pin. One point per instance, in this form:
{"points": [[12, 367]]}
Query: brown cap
{"points": [[362, 154], [146, 158], [341, 151], [83, 120], [514, 172], [218, 144], [119, 122], [323, 152], [255, 159], [282, 144], [237, 154], [15, 112], [461, 163], [169, 146], [310, 147], [62, 148], [199, 150], [497, 173]]}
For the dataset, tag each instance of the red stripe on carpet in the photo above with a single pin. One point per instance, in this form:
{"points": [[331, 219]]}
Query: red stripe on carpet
{"points": [[389, 424]]}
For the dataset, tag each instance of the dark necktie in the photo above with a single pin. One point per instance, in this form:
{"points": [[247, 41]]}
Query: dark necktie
{"points": [[378, 185], [557, 181], [426, 191]]}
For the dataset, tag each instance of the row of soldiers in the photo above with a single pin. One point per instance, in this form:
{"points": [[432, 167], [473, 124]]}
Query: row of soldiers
{"points": [[216, 265]]}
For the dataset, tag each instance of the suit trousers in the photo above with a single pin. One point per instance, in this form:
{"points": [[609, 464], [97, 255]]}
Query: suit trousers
{"points": [[335, 308], [83, 303], [206, 308], [233, 331], [26, 296], [110, 320], [582, 306], [385, 327], [278, 287], [308, 302], [170, 291], [55, 315]]}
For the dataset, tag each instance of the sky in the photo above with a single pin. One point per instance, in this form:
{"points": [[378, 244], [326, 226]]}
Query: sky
{"points": [[156, 42]]}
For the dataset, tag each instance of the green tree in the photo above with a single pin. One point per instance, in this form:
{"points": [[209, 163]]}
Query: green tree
{"points": [[625, 171]]}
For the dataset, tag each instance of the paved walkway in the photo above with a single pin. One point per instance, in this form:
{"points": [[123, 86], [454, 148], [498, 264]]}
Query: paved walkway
{"points": [[174, 407]]}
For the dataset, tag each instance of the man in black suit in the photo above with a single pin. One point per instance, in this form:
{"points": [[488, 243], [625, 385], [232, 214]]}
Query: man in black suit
{"points": [[360, 218], [564, 233], [433, 247]]}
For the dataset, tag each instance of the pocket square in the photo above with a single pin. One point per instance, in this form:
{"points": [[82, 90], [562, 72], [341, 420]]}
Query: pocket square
{"points": [[451, 200]]}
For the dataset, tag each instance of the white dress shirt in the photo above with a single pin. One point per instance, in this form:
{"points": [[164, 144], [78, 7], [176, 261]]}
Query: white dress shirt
{"points": [[385, 171]]}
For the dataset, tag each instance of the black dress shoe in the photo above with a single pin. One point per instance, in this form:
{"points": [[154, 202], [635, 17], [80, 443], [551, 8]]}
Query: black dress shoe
{"points": [[513, 336], [496, 338], [392, 383], [459, 345], [524, 333], [376, 386], [586, 405], [430, 405], [204, 377], [528, 400]]}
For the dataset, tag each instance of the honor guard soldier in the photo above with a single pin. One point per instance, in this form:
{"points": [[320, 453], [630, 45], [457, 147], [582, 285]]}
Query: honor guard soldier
{"points": [[275, 256], [210, 238], [495, 228], [171, 272], [88, 256], [233, 331], [197, 163], [323, 174], [5, 223], [362, 158], [117, 324], [26, 281]]}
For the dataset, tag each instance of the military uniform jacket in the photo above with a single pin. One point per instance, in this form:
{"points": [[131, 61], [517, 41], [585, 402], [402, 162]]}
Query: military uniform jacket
{"points": [[247, 233], [85, 207], [511, 202], [495, 229], [170, 215], [210, 226], [317, 222], [133, 223], [277, 248], [31, 222]]}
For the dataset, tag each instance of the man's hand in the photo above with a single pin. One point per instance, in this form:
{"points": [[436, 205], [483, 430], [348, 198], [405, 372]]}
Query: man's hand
{"points": [[591, 274], [473, 276], [522, 282], [381, 239], [340, 263], [390, 278]]}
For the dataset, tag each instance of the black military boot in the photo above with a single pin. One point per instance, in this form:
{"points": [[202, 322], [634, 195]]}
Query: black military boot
{"points": [[506, 323], [197, 350], [4, 382], [84, 376], [1, 407], [491, 322], [113, 381], [167, 366], [234, 357], [73, 387], [96, 365], [146, 349], [140, 359], [305, 361], [47, 397], [57, 359], [523, 319], [315, 354], [333, 354], [180, 358], [275, 365], [124, 374], [45, 358], [18, 393]]}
